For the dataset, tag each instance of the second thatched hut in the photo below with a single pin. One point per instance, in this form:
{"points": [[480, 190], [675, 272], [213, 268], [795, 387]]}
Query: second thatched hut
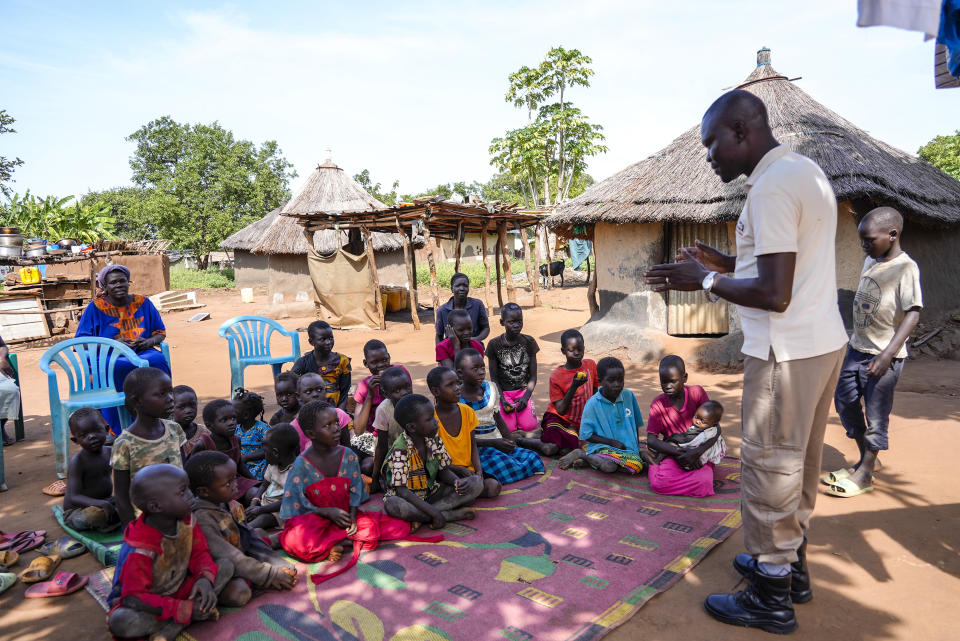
{"points": [[273, 250], [641, 215]]}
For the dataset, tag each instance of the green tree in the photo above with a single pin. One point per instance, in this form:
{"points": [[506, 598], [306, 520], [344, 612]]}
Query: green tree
{"points": [[54, 218], [374, 189], [549, 154], [131, 209], [943, 152], [202, 184], [7, 165]]}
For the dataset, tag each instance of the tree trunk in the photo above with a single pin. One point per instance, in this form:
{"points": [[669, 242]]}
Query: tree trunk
{"points": [[411, 276], [486, 268], [507, 269], [434, 290], [376, 278], [496, 261], [534, 284], [457, 251]]}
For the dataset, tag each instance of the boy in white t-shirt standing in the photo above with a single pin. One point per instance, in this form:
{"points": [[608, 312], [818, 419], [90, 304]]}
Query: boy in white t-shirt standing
{"points": [[886, 309]]}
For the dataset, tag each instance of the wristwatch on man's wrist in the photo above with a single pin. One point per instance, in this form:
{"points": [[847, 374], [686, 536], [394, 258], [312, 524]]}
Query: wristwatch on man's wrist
{"points": [[707, 285]]}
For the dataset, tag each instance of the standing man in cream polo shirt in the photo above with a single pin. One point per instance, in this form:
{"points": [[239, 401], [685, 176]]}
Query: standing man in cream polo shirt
{"points": [[785, 286]]}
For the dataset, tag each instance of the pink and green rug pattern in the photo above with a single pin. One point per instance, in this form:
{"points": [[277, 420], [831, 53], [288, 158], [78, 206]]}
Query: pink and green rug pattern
{"points": [[566, 556]]}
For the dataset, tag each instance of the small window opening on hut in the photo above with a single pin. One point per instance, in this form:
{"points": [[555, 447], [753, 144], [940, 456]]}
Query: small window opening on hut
{"points": [[690, 313]]}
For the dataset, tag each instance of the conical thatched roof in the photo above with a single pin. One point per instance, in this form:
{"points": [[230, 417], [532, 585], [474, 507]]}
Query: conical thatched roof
{"points": [[276, 234], [329, 190], [677, 184]]}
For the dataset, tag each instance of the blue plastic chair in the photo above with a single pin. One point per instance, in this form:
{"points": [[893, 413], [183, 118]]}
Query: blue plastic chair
{"points": [[248, 340], [88, 363]]}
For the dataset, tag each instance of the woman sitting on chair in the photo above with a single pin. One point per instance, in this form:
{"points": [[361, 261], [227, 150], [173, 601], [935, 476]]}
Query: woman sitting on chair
{"points": [[9, 393], [128, 318]]}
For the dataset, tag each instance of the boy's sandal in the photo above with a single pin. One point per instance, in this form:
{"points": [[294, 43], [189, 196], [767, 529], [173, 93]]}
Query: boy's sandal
{"points": [[57, 488], [41, 569], [62, 584], [8, 558], [7, 579], [833, 477], [65, 547], [30, 542], [845, 488]]}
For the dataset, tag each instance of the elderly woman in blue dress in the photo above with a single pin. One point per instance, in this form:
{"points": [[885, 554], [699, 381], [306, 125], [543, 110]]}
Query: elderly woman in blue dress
{"points": [[9, 394], [128, 318]]}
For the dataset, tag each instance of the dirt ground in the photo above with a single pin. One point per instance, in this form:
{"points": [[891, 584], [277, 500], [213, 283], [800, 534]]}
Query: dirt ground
{"points": [[883, 565]]}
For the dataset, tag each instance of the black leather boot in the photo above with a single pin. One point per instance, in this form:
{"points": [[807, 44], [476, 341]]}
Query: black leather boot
{"points": [[764, 604], [800, 591]]}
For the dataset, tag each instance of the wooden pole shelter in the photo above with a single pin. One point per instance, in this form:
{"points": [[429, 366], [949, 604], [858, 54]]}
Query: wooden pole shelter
{"points": [[534, 284], [459, 238], [592, 288], [431, 263], [507, 272], [376, 279], [548, 282], [486, 268], [411, 277], [496, 261]]}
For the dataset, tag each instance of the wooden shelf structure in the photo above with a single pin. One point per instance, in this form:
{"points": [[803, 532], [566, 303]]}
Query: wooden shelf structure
{"points": [[435, 218]]}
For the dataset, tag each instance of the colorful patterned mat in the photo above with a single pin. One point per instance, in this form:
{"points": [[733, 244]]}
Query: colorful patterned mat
{"points": [[103, 546], [566, 556]]}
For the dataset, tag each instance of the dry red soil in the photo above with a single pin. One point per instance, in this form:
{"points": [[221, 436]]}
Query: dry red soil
{"points": [[884, 565]]}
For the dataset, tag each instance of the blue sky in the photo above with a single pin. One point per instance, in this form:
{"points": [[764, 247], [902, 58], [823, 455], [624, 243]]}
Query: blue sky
{"points": [[414, 90]]}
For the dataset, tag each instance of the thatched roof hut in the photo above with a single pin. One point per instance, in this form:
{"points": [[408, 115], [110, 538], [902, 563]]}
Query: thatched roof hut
{"points": [[273, 250], [276, 234], [676, 184], [642, 214]]}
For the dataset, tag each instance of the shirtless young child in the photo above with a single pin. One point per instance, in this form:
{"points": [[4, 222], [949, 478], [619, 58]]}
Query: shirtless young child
{"points": [[88, 502]]}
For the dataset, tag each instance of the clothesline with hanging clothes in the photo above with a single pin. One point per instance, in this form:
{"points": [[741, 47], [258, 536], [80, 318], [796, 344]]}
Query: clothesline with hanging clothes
{"points": [[938, 19]]}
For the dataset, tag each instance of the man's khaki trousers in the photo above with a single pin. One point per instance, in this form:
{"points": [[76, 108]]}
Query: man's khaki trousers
{"points": [[785, 406]]}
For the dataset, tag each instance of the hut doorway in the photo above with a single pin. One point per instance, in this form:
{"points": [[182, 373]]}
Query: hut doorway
{"points": [[690, 313]]}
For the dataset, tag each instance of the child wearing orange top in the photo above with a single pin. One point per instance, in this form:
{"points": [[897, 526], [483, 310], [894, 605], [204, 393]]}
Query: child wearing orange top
{"points": [[457, 425]]}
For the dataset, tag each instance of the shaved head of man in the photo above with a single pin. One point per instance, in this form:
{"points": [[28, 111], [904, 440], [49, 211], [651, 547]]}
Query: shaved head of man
{"points": [[736, 132]]}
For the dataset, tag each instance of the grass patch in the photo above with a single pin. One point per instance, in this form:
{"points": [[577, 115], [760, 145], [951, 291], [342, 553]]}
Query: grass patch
{"points": [[181, 278], [475, 271]]}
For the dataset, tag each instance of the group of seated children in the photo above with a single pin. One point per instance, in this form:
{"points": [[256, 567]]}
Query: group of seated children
{"points": [[199, 502]]}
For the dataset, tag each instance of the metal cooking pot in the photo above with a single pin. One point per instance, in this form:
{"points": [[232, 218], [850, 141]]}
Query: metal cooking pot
{"points": [[66, 243], [11, 240], [9, 230], [35, 251], [10, 252]]}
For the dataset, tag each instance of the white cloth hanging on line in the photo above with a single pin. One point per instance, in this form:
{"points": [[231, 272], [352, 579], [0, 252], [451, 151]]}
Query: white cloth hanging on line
{"points": [[912, 15]]}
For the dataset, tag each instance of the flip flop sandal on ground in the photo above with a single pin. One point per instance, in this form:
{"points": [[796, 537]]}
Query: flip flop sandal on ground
{"points": [[57, 488], [41, 569], [845, 488], [833, 477], [27, 543], [62, 584], [7, 579], [65, 547], [7, 541], [8, 558]]}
